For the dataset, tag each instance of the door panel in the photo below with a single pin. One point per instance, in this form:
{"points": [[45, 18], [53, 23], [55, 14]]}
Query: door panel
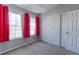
{"points": [[77, 31], [70, 28], [52, 32], [64, 30], [44, 29], [74, 18], [57, 29], [70, 31], [51, 29]]}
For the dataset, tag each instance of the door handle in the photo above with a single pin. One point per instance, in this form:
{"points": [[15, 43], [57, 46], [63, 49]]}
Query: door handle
{"points": [[66, 32]]}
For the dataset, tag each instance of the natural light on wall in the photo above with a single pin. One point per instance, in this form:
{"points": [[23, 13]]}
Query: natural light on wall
{"points": [[15, 26], [32, 26]]}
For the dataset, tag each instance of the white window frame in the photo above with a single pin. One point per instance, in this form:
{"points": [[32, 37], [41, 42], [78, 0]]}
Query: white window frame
{"points": [[32, 26], [16, 25]]}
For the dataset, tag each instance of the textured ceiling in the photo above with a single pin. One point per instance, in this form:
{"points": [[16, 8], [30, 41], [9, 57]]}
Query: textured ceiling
{"points": [[38, 8]]}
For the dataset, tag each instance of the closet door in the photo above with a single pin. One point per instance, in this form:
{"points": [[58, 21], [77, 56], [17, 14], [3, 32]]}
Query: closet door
{"points": [[54, 34], [45, 29], [70, 30], [73, 43], [64, 30], [77, 31], [57, 29], [51, 29], [67, 28], [74, 30]]}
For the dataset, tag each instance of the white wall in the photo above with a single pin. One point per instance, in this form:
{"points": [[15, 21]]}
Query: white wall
{"points": [[45, 29]]}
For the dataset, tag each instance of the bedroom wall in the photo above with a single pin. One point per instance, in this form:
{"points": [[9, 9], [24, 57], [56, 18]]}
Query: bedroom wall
{"points": [[59, 10], [6, 46]]}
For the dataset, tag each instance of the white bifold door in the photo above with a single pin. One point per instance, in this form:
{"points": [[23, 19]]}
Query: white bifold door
{"points": [[70, 31], [54, 24], [51, 29]]}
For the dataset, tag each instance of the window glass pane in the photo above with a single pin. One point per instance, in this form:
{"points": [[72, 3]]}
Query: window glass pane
{"points": [[18, 31], [15, 26], [12, 35], [12, 31], [18, 23], [12, 16], [12, 22], [12, 27], [18, 27], [32, 32], [32, 26], [19, 34]]}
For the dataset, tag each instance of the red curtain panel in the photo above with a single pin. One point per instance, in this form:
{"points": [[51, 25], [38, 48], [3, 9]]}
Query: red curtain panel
{"points": [[1, 23], [5, 23], [26, 30], [37, 21]]}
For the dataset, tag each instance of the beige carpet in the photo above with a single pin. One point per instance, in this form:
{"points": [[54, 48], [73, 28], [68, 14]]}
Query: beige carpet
{"points": [[40, 48]]}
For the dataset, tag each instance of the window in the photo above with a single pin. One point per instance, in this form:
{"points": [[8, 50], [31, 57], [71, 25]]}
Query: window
{"points": [[15, 26], [32, 26]]}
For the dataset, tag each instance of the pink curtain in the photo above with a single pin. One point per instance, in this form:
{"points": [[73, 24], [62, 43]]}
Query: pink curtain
{"points": [[1, 23], [26, 30], [5, 23], [37, 21]]}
